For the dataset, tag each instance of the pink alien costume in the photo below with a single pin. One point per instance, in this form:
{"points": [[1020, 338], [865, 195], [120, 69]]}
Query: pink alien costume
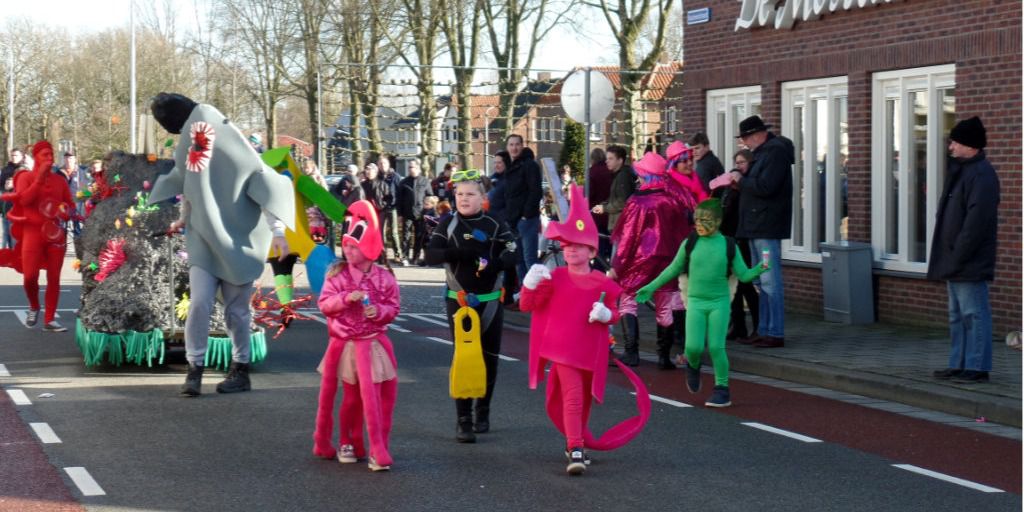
{"points": [[656, 219], [359, 355], [577, 349]]}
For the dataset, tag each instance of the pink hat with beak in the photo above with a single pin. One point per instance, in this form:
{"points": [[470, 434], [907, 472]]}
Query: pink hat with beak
{"points": [[579, 228]]}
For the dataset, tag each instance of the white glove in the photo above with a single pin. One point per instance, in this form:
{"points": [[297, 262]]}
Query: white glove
{"points": [[536, 273], [600, 313]]}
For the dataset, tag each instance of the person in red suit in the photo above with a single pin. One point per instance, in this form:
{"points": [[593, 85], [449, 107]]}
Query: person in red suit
{"points": [[42, 203]]}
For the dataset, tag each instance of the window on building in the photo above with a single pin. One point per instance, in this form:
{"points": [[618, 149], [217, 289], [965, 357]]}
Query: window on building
{"points": [[912, 113], [672, 122], [725, 109], [814, 118], [597, 131]]}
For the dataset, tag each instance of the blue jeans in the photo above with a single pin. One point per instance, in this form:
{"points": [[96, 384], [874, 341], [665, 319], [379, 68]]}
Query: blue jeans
{"points": [[8, 240], [529, 232], [772, 307], [970, 326]]}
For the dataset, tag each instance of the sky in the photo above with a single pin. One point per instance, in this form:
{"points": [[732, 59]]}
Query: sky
{"points": [[563, 49]]}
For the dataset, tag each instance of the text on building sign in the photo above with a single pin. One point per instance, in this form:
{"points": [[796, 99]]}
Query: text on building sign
{"points": [[784, 13]]}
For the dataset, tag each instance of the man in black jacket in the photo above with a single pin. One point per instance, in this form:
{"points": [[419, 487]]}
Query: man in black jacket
{"points": [[766, 218], [709, 166], [964, 251], [412, 190], [523, 194], [7, 185]]}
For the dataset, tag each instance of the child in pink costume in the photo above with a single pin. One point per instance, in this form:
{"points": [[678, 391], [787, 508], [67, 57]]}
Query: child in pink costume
{"points": [[572, 308], [359, 300]]}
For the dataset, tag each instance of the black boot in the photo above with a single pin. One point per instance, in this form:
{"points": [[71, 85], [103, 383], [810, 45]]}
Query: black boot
{"points": [[482, 424], [193, 381], [237, 379], [664, 347], [631, 341], [464, 430], [737, 320]]}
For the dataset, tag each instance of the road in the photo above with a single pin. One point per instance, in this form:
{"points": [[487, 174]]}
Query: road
{"points": [[144, 448]]}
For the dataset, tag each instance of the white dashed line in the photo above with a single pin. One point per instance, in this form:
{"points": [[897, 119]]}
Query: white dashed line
{"points": [[84, 481], [947, 478], [657, 398], [3, 371], [45, 433], [779, 431], [317, 318], [22, 316], [394, 327], [427, 319], [439, 340], [19, 397]]}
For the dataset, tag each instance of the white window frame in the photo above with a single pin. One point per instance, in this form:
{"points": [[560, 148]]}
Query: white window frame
{"points": [[672, 122], [904, 81], [597, 131], [722, 100], [803, 92]]}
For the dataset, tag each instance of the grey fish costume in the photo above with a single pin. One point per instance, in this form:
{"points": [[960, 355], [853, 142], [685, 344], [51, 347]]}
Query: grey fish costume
{"points": [[227, 185], [227, 188]]}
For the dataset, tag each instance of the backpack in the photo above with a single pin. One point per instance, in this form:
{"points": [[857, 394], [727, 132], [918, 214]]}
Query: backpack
{"points": [[730, 253]]}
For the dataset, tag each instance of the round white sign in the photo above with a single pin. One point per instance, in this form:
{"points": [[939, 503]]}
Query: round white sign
{"points": [[574, 97]]}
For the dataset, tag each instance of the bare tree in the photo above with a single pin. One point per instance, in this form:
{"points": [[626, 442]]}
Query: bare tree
{"points": [[418, 19], [461, 28], [626, 20], [506, 21]]}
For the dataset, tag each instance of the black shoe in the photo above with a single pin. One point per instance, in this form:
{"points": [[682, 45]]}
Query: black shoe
{"points": [[577, 462], [971, 377], [32, 318], [947, 374], [665, 363], [482, 425], [719, 397], [237, 379], [693, 378], [464, 430], [770, 342], [630, 358], [193, 381]]}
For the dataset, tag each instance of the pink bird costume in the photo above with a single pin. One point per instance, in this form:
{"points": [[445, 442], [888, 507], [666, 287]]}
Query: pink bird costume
{"points": [[359, 356], [577, 349]]}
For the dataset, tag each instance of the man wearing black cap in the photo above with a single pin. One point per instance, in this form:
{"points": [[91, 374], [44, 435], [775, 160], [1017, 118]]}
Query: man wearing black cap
{"points": [[964, 251], [766, 218]]}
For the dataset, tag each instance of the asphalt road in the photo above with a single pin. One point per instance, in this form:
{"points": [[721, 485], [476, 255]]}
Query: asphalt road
{"points": [[148, 449]]}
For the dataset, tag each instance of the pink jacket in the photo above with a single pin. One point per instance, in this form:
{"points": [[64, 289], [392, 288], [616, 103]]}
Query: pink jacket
{"points": [[559, 330], [346, 321]]}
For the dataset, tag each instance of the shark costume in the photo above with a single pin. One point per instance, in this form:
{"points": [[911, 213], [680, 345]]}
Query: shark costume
{"points": [[226, 192]]}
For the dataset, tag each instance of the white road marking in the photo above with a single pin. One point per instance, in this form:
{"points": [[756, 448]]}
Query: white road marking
{"points": [[506, 358], [45, 433], [779, 431], [22, 316], [951, 479], [427, 319], [3, 371], [84, 481], [397, 328], [400, 318], [657, 398], [317, 318], [439, 340], [19, 397]]}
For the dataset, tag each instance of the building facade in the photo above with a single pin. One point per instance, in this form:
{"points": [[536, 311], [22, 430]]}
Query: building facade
{"points": [[867, 90]]}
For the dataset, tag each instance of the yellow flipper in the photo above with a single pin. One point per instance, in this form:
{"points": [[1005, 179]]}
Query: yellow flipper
{"points": [[468, 377]]}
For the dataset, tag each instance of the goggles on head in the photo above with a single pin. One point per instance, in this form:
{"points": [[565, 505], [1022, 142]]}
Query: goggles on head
{"points": [[467, 175]]}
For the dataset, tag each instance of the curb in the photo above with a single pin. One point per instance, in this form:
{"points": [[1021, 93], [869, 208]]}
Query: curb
{"points": [[996, 409]]}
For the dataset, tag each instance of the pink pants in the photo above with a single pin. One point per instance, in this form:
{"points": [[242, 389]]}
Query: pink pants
{"points": [[575, 385], [374, 403], [665, 302]]}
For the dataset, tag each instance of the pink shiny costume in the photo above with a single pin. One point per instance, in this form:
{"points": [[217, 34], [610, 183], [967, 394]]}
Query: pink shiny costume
{"points": [[578, 351], [647, 236], [346, 324]]}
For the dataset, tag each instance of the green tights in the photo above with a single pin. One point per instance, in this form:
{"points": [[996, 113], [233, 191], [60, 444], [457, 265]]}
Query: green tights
{"points": [[712, 323]]}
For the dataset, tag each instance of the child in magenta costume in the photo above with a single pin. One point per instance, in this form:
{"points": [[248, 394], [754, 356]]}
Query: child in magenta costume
{"points": [[359, 300], [572, 308]]}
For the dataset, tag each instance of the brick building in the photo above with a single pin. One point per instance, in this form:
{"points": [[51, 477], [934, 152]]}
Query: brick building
{"points": [[868, 91]]}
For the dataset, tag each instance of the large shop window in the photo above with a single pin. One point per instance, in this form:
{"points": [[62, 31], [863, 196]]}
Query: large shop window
{"points": [[726, 108], [814, 118], [912, 111]]}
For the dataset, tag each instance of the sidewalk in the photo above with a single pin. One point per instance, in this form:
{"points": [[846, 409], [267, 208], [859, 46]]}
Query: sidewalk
{"points": [[882, 361]]}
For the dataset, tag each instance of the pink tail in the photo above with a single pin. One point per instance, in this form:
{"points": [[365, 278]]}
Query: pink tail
{"points": [[618, 435], [375, 404]]}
